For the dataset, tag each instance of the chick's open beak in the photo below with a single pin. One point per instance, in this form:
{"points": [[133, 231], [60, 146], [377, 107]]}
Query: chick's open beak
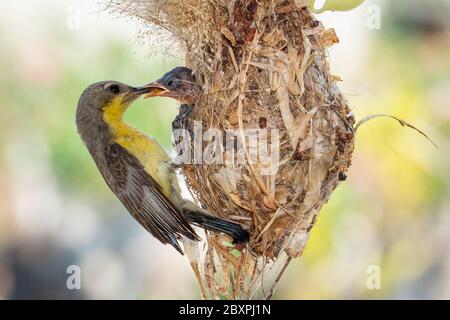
{"points": [[155, 89], [135, 93]]}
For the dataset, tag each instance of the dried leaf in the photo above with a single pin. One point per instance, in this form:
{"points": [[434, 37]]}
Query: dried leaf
{"points": [[229, 35], [329, 38], [402, 123]]}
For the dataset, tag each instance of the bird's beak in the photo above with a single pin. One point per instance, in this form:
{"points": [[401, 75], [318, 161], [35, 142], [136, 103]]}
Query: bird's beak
{"points": [[136, 93], [155, 89], [141, 90]]}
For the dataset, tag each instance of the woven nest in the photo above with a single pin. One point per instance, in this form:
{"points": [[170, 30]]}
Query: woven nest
{"points": [[262, 66]]}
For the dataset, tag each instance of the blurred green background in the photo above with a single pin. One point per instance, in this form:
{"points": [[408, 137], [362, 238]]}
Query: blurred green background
{"points": [[56, 211]]}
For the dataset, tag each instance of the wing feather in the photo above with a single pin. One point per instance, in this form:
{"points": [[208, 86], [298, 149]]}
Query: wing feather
{"points": [[144, 198]]}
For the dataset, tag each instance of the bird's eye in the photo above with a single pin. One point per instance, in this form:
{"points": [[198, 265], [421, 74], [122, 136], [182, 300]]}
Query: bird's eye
{"points": [[114, 89], [170, 83]]}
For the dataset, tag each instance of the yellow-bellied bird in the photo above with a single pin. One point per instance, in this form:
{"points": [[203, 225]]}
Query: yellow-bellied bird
{"points": [[138, 170]]}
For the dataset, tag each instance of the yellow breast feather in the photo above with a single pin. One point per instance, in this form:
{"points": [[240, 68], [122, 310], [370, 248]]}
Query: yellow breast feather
{"points": [[146, 149]]}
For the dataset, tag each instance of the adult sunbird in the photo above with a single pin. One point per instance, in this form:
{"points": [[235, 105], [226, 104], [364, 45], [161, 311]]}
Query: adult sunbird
{"points": [[138, 170]]}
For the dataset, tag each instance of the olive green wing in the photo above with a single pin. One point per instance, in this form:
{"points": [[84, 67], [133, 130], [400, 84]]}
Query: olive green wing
{"points": [[144, 198]]}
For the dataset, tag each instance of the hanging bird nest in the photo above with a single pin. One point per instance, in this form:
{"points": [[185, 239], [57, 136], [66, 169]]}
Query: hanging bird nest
{"points": [[264, 73]]}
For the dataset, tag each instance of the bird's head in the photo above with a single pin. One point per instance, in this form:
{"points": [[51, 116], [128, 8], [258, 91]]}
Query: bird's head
{"points": [[105, 99], [100, 95], [178, 84]]}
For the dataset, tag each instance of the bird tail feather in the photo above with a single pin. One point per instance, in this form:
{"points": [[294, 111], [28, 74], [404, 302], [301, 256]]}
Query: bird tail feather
{"points": [[200, 218]]}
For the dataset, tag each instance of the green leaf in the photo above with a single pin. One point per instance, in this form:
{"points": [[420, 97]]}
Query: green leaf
{"points": [[336, 5]]}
